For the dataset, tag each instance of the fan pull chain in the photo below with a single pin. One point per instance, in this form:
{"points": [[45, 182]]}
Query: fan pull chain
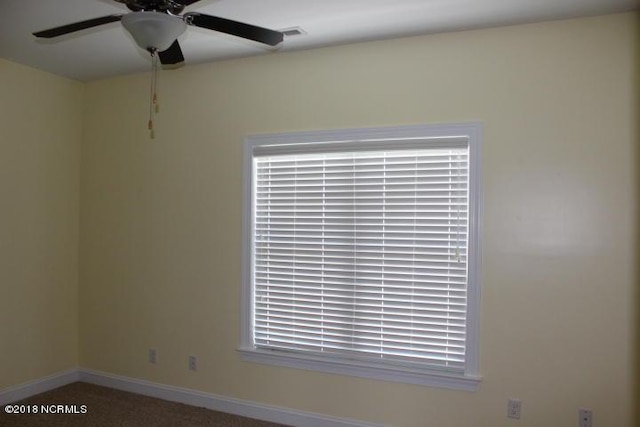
{"points": [[156, 74], [153, 96]]}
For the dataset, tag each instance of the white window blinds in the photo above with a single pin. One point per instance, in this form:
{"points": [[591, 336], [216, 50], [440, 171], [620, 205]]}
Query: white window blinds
{"points": [[362, 253]]}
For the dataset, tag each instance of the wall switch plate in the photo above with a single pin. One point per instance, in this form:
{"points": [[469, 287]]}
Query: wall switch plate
{"points": [[153, 356], [585, 418], [193, 363], [513, 409]]}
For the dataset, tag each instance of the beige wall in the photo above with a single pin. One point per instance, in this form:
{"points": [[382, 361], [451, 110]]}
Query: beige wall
{"points": [[40, 134], [161, 229], [160, 219]]}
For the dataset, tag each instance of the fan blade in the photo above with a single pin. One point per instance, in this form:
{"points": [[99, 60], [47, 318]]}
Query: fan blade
{"points": [[251, 32], [173, 55], [77, 26]]}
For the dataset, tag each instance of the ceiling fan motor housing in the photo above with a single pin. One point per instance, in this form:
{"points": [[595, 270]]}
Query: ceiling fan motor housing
{"points": [[166, 6]]}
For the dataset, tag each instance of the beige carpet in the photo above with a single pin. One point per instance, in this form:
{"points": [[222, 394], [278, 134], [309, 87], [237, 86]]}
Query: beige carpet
{"points": [[107, 407]]}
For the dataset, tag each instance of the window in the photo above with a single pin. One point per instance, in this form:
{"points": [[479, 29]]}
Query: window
{"points": [[361, 252]]}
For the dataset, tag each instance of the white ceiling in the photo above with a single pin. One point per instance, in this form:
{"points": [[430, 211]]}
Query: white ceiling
{"points": [[108, 50]]}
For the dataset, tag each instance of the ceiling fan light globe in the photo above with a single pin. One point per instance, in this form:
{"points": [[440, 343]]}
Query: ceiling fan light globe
{"points": [[153, 30]]}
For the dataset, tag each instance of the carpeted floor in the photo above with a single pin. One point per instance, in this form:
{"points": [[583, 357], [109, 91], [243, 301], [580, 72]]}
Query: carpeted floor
{"points": [[105, 407]]}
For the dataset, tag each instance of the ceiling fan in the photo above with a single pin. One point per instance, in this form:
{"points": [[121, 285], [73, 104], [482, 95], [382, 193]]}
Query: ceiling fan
{"points": [[156, 24]]}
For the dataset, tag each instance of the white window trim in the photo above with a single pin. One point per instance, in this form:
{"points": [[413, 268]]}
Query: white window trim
{"points": [[470, 379]]}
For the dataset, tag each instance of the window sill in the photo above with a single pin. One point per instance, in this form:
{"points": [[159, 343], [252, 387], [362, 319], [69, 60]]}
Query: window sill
{"points": [[363, 369]]}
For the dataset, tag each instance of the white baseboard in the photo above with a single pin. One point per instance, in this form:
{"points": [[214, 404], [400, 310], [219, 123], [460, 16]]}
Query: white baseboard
{"points": [[178, 394], [218, 403], [28, 389]]}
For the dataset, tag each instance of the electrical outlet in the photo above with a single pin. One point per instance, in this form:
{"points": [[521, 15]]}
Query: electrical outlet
{"points": [[513, 409], [153, 356], [193, 363], [585, 418]]}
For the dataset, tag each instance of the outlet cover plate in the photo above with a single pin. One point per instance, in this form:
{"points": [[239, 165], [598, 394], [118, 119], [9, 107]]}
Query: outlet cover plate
{"points": [[514, 407], [153, 356], [585, 418]]}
